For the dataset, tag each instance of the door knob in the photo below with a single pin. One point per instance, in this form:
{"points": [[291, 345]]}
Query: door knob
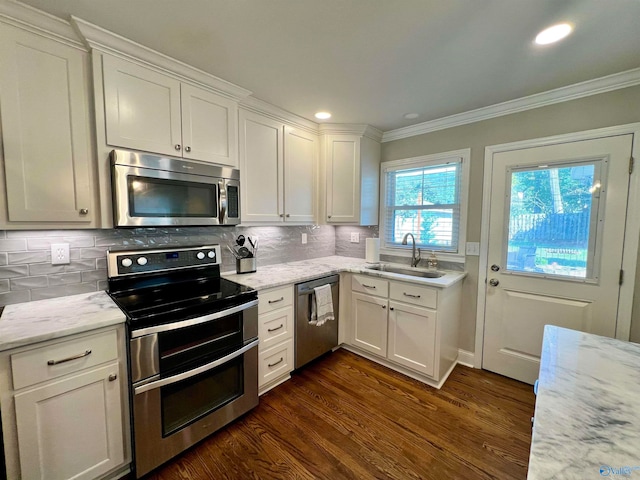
{"points": [[493, 282], [495, 268]]}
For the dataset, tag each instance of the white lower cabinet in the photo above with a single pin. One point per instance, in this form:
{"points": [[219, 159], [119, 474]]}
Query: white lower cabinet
{"points": [[407, 326], [64, 408], [275, 326]]}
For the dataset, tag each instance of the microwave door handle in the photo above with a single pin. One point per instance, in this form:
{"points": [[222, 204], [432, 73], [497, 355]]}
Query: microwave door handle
{"points": [[222, 202]]}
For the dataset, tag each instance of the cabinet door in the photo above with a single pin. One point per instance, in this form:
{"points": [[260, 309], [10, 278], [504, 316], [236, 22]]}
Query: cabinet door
{"points": [[343, 178], [261, 168], [71, 428], [209, 126], [45, 127], [369, 323], [412, 337], [300, 154], [142, 108]]}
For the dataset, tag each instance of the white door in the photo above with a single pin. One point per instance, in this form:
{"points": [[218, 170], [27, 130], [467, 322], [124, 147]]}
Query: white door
{"points": [[209, 126], [142, 108], [261, 168], [71, 428], [300, 163], [369, 323], [556, 233], [343, 179]]}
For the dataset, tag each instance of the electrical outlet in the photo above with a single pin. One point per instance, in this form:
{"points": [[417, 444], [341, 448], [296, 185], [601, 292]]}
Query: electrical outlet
{"points": [[473, 249], [304, 238], [60, 254], [355, 237]]}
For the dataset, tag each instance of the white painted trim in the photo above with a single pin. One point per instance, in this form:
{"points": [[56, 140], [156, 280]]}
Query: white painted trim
{"points": [[105, 41], [466, 358], [632, 231], [351, 129], [616, 81], [278, 114], [39, 22]]}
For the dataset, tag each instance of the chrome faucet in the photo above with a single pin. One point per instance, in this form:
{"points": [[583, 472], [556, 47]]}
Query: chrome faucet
{"points": [[414, 260]]}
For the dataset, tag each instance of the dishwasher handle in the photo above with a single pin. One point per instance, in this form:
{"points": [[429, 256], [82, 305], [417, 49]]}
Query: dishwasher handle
{"points": [[306, 288]]}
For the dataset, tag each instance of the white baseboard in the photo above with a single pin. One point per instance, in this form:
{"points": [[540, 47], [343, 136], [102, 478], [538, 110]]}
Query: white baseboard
{"points": [[466, 358]]}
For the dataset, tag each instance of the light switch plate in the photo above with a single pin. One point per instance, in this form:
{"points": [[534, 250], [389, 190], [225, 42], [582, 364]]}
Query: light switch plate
{"points": [[473, 249], [60, 254], [355, 237]]}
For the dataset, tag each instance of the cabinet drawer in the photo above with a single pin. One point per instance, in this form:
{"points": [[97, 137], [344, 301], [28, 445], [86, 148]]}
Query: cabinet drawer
{"points": [[53, 361], [275, 298], [370, 285], [275, 362], [275, 327], [414, 294]]}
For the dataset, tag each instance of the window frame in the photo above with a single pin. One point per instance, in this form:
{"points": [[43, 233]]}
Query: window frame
{"points": [[462, 156]]}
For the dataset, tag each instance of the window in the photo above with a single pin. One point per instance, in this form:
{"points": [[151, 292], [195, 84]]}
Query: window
{"points": [[425, 196]]}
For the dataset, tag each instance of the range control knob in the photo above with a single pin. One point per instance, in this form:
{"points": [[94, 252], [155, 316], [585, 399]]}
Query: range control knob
{"points": [[200, 255], [126, 262], [142, 260], [211, 254]]}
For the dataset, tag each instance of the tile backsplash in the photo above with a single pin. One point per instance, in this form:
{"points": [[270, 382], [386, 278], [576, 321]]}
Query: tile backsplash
{"points": [[26, 272]]}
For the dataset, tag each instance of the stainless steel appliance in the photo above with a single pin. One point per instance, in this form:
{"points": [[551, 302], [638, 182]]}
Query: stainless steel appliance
{"points": [[193, 345], [151, 191], [312, 341]]}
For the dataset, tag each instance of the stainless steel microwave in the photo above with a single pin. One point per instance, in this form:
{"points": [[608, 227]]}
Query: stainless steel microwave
{"points": [[153, 191]]}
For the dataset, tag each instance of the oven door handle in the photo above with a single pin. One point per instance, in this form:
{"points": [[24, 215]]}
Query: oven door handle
{"points": [[196, 371], [193, 321]]}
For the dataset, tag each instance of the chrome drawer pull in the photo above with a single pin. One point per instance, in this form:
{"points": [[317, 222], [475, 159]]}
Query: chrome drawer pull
{"points": [[75, 357], [274, 329], [276, 301], [113, 377], [274, 364], [409, 295], [368, 286]]}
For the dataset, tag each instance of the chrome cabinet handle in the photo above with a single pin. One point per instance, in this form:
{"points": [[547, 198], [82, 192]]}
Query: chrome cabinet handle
{"points": [[187, 149], [276, 301], [384, 306], [288, 215], [328, 216], [274, 329], [409, 295], [493, 282], [282, 215], [177, 146], [84, 211], [368, 286], [68, 359], [276, 363], [391, 308], [113, 377]]}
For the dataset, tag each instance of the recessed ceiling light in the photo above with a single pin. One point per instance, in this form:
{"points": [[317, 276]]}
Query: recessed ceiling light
{"points": [[411, 116], [323, 115], [553, 34]]}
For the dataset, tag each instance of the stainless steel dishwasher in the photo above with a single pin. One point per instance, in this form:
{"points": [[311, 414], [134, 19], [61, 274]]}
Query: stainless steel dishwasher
{"points": [[312, 341]]}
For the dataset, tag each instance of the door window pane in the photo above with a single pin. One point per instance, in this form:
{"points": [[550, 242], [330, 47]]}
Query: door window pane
{"points": [[553, 220]]}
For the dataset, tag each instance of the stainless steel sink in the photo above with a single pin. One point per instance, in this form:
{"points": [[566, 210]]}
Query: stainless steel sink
{"points": [[406, 271]]}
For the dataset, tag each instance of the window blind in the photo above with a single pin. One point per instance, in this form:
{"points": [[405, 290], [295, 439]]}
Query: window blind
{"points": [[423, 200]]}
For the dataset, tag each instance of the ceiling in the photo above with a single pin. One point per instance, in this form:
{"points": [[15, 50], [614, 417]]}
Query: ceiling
{"points": [[372, 61]]}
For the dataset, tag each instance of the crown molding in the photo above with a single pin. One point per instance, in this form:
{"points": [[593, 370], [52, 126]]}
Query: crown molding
{"points": [[351, 129], [616, 81], [97, 38], [38, 22], [261, 107]]}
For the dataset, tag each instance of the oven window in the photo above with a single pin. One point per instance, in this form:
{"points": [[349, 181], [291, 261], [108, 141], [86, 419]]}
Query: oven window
{"points": [[187, 401], [156, 197]]}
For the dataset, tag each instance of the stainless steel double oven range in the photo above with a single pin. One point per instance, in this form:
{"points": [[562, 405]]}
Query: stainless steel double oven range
{"points": [[193, 344]]}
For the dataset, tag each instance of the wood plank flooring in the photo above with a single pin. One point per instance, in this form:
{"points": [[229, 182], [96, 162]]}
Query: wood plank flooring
{"points": [[345, 417]]}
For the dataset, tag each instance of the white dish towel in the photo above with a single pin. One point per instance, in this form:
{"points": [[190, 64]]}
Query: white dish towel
{"points": [[322, 306]]}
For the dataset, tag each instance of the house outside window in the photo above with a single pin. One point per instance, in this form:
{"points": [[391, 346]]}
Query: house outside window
{"points": [[425, 196]]}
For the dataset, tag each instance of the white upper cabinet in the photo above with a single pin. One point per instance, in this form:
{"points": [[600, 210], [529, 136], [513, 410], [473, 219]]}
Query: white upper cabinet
{"points": [[351, 165], [150, 111], [45, 131], [278, 166]]}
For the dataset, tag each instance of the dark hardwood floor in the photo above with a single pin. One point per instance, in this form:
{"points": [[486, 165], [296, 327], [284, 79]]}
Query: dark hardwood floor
{"points": [[345, 417]]}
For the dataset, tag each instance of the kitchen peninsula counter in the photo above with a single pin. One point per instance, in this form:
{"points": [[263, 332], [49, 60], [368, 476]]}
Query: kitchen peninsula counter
{"points": [[295, 272], [587, 414]]}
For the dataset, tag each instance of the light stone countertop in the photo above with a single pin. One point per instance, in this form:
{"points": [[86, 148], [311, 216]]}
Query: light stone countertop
{"points": [[31, 322], [296, 272], [587, 416]]}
